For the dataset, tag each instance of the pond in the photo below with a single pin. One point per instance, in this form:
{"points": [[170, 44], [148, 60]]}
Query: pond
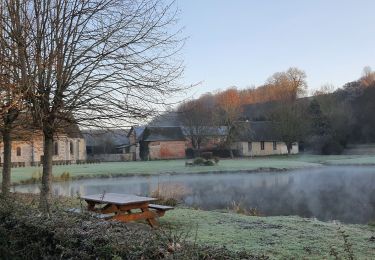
{"points": [[327, 193]]}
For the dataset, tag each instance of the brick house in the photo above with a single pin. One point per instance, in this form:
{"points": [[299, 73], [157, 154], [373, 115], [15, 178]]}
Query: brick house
{"points": [[155, 143]]}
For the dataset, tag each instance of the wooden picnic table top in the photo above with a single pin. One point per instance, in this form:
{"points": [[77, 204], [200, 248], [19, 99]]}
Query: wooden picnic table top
{"points": [[118, 199]]}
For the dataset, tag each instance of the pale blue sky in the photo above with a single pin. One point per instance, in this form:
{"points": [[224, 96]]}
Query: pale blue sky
{"points": [[243, 42]]}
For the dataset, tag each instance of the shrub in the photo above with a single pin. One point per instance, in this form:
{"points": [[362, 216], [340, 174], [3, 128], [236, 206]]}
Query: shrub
{"points": [[198, 161], [170, 193], [170, 202], [209, 163], [36, 176], [332, 147], [65, 176], [238, 208]]}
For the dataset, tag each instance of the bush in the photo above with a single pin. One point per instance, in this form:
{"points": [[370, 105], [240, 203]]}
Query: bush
{"points": [[170, 194], [209, 163], [198, 161], [36, 176], [203, 162], [65, 176], [332, 147], [238, 208]]}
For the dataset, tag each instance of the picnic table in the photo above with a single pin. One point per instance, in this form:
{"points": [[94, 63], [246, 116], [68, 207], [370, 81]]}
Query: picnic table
{"points": [[125, 207]]}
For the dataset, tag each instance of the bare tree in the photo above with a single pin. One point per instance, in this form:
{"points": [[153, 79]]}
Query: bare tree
{"points": [[291, 84], [96, 63], [368, 77], [12, 81], [197, 118], [9, 112], [228, 113], [291, 123]]}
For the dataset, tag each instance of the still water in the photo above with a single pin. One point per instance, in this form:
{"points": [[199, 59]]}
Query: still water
{"points": [[329, 193]]}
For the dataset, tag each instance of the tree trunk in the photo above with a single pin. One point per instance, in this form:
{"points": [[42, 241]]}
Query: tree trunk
{"points": [[231, 153], [47, 172], [7, 140], [289, 147]]}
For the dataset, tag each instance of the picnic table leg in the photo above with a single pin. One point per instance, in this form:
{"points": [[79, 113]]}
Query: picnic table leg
{"points": [[90, 206], [109, 208], [125, 214], [151, 221]]}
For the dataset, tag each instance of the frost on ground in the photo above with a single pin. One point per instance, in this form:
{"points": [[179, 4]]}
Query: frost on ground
{"points": [[178, 166], [283, 237]]}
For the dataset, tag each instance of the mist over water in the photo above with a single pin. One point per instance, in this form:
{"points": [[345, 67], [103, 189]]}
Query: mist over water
{"points": [[344, 193]]}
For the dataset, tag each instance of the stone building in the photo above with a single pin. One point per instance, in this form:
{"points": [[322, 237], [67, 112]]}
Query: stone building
{"points": [[261, 138], [69, 147]]}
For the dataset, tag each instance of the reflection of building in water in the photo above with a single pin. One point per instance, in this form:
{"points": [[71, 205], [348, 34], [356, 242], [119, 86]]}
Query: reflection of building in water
{"points": [[69, 189], [290, 179], [27, 188], [81, 190], [144, 188]]}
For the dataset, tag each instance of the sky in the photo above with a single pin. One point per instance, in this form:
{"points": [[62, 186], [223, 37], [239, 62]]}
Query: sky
{"points": [[243, 42]]}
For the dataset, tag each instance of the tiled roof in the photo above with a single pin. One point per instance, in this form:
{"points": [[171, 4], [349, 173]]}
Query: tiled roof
{"points": [[257, 131], [166, 133], [116, 136]]}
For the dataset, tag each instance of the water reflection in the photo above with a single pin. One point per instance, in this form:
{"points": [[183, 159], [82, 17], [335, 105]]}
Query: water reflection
{"points": [[342, 193]]}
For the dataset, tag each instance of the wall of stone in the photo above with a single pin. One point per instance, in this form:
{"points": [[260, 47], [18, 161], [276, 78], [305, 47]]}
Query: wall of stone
{"points": [[32, 151], [254, 148]]}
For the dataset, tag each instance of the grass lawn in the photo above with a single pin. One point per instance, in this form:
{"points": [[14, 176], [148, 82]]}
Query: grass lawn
{"points": [[178, 166], [277, 237]]}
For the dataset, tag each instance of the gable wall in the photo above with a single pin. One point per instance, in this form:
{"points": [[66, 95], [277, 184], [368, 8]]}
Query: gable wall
{"points": [[166, 150], [31, 151]]}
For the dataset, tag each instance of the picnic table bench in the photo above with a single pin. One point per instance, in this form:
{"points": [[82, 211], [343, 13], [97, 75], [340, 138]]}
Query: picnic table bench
{"points": [[125, 207]]}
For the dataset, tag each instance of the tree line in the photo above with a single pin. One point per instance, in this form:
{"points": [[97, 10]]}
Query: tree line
{"points": [[97, 63], [323, 123]]}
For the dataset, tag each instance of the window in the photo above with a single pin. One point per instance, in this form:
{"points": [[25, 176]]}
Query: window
{"points": [[71, 147], [18, 150], [262, 145], [249, 146], [56, 148], [275, 145]]}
